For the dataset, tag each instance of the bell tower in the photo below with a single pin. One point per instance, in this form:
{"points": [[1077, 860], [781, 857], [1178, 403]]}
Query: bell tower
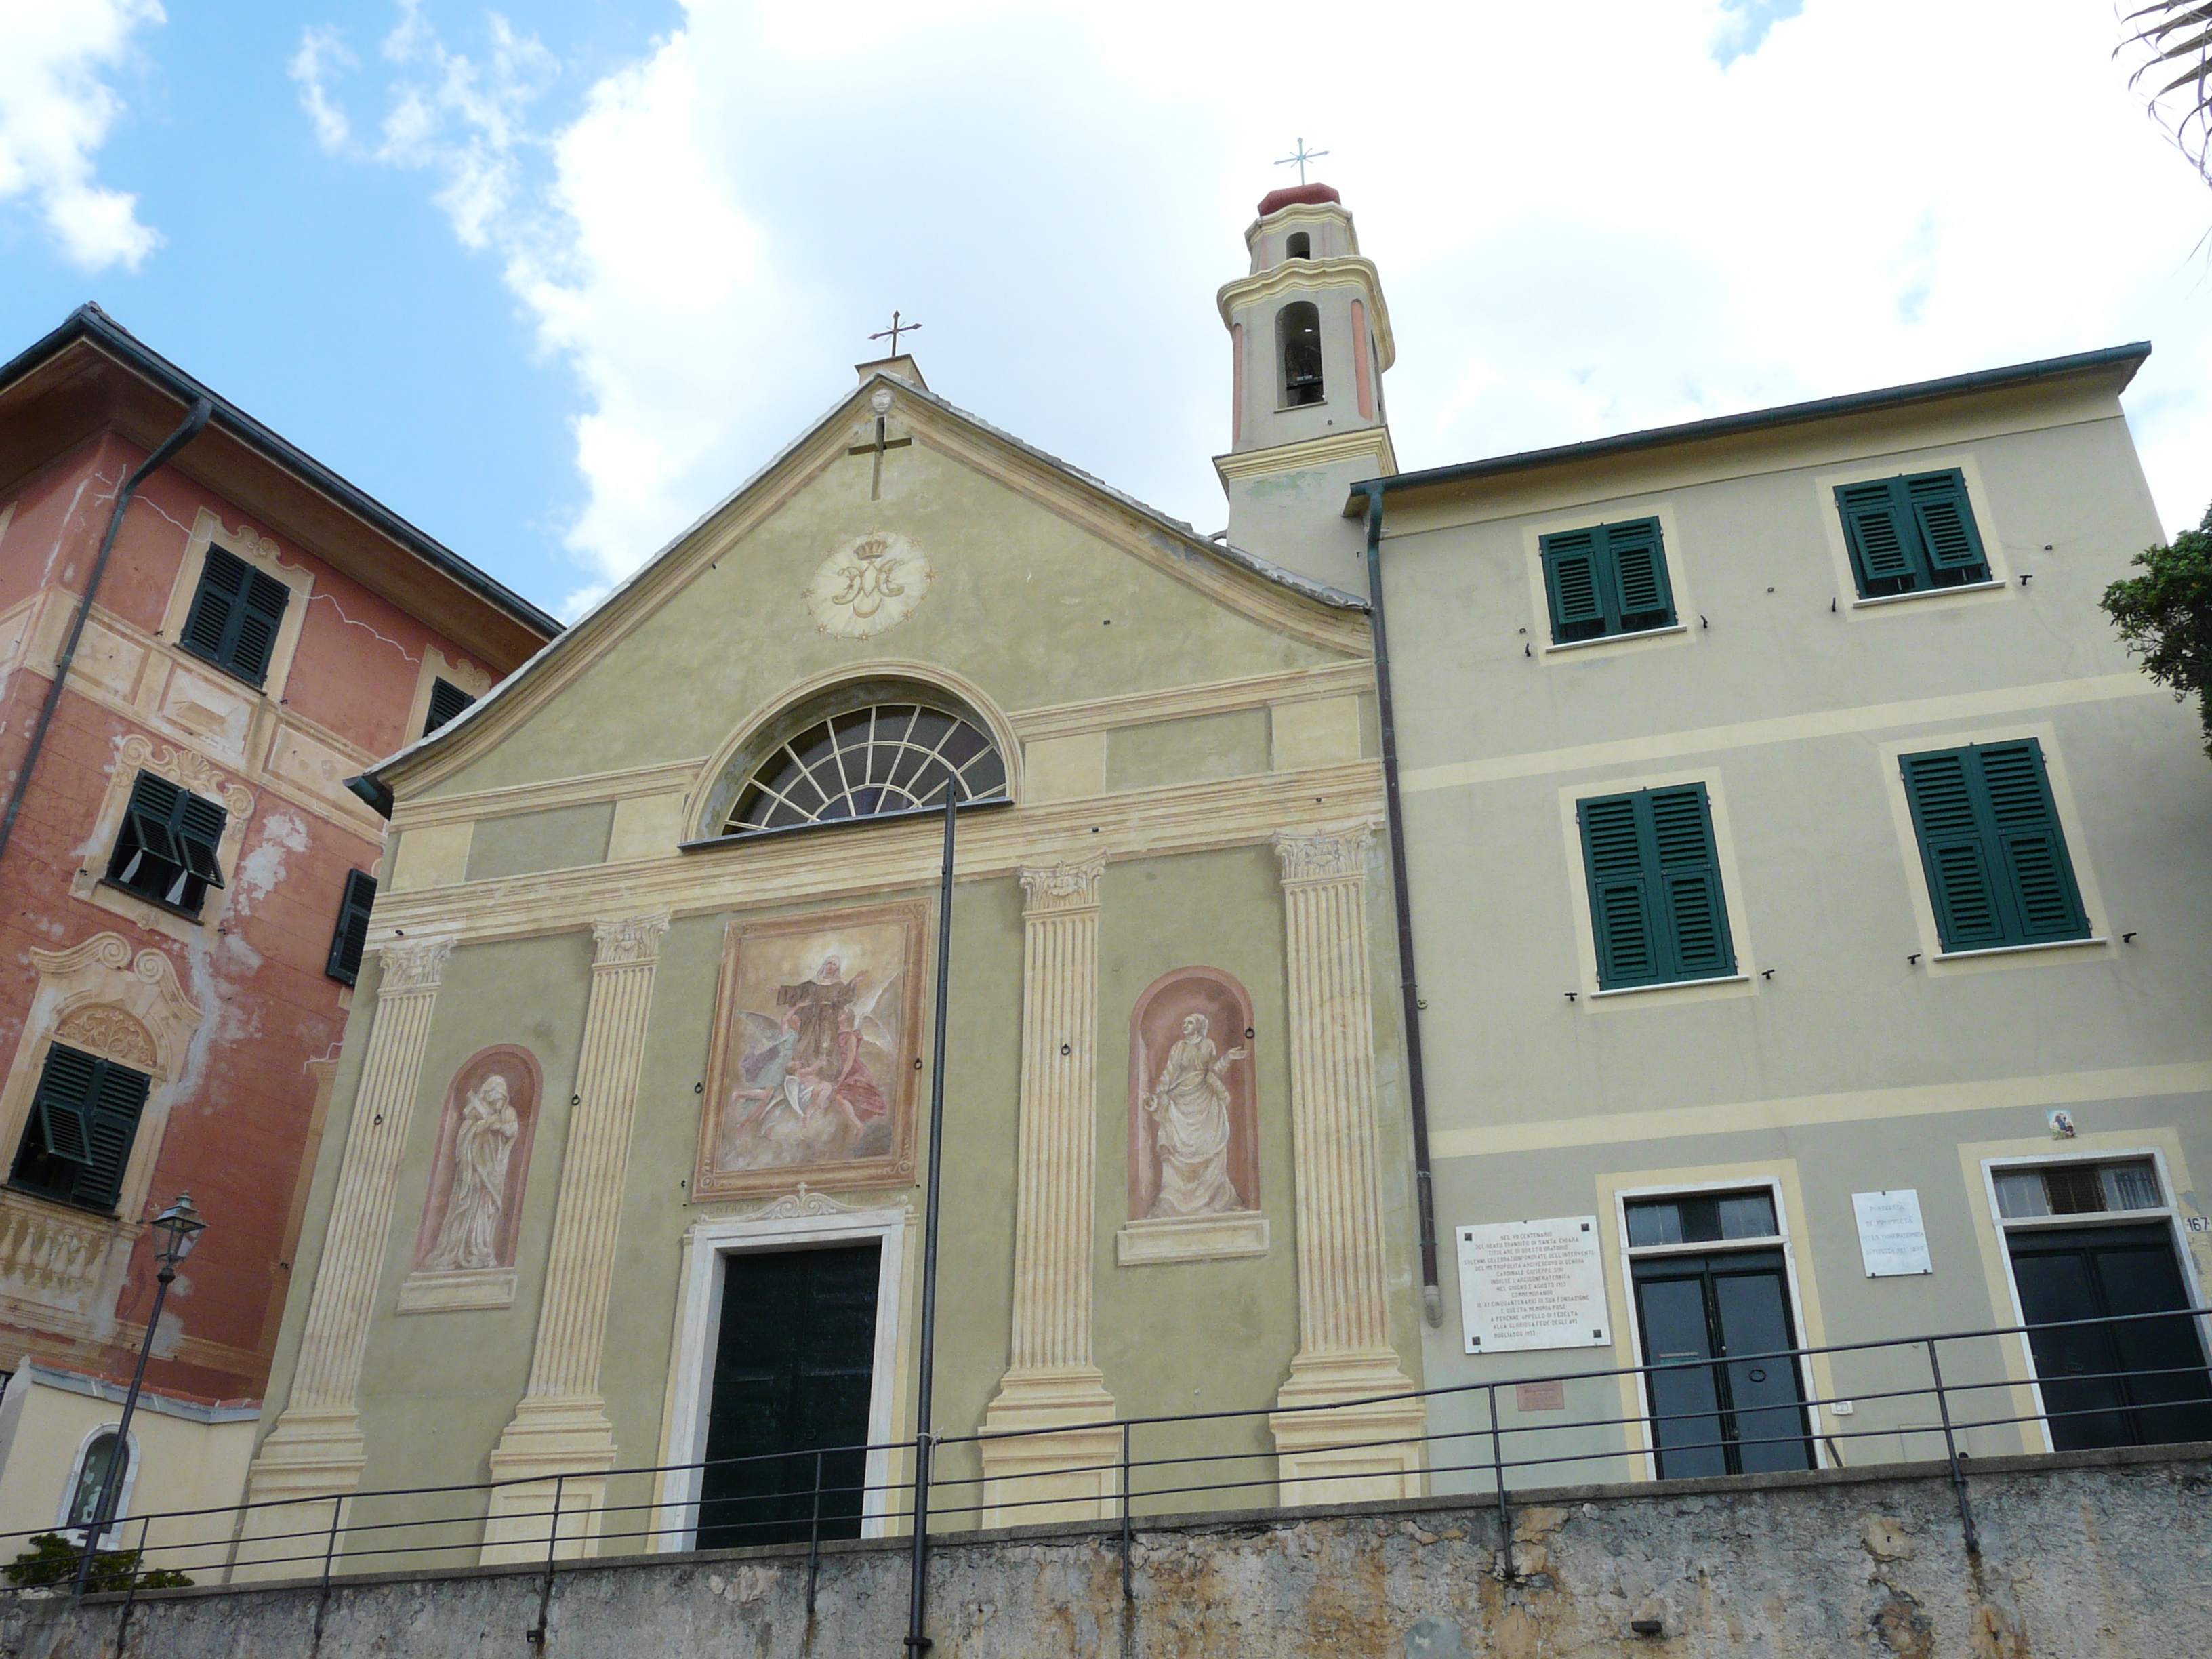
{"points": [[1310, 339]]}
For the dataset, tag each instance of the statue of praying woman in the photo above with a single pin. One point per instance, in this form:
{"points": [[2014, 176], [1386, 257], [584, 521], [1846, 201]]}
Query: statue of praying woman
{"points": [[1190, 1107], [477, 1201]]}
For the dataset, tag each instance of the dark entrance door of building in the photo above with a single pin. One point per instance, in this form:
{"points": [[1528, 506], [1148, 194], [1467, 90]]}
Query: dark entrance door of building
{"points": [[2141, 1382], [1717, 1414], [791, 1374]]}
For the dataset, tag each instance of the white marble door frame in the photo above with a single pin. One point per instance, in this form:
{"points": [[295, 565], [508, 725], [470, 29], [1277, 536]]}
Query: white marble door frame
{"points": [[698, 1329]]}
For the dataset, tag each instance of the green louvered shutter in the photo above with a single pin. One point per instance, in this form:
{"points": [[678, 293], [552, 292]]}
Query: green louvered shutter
{"points": [[84, 1117], [1875, 526], [2030, 848], [1570, 581], [351, 936], [1620, 895], [1695, 911], [149, 828], [118, 1100], [1954, 849], [235, 616], [61, 1111], [447, 701], [199, 833], [1639, 574], [1945, 519]]}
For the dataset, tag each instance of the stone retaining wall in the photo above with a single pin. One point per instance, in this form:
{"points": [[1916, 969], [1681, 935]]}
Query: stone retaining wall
{"points": [[2092, 1554]]}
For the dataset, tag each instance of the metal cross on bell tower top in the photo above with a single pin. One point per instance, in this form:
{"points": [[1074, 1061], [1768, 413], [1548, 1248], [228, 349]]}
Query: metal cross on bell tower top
{"points": [[1298, 158], [892, 333]]}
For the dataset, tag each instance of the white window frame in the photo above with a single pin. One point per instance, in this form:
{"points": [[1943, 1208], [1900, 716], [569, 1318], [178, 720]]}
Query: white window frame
{"points": [[132, 1448], [698, 1328], [1807, 1391], [2007, 1226]]}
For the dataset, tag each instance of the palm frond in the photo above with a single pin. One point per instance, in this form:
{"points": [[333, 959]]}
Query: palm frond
{"points": [[2183, 104]]}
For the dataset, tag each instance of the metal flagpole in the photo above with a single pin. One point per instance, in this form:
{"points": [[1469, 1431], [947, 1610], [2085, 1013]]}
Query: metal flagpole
{"points": [[924, 1440]]}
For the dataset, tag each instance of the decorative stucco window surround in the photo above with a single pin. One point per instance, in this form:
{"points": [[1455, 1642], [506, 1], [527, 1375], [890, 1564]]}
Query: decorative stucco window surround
{"points": [[61, 1267], [257, 551], [188, 771], [793, 1221]]}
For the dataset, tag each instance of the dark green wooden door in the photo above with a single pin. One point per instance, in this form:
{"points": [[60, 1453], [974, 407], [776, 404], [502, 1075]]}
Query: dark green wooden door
{"points": [[793, 1370], [1718, 1408], [2141, 1382]]}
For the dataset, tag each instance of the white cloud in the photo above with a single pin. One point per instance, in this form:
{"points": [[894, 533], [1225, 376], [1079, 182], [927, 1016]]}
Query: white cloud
{"points": [[1679, 208], [55, 113]]}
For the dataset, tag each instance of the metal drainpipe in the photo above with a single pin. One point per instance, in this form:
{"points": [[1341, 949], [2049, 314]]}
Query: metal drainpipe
{"points": [[1432, 1300], [160, 457]]}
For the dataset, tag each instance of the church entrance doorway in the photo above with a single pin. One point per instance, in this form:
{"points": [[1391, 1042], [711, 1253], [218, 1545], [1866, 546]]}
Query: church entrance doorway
{"points": [[793, 1374]]}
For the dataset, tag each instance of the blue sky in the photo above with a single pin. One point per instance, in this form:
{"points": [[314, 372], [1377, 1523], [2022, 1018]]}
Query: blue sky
{"points": [[549, 279]]}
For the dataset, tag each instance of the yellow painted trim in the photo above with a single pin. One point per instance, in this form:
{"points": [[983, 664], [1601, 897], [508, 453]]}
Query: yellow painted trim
{"points": [[1680, 581], [1974, 1159], [1858, 1106], [1785, 728], [1932, 961], [1744, 982], [1778, 1174]]}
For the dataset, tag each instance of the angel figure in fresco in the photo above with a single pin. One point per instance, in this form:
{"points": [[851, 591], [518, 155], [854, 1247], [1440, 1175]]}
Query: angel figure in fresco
{"points": [[476, 1202], [806, 1092], [1190, 1106]]}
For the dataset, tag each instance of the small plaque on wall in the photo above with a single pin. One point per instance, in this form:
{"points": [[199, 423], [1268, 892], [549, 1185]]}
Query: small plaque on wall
{"points": [[1892, 1241], [1533, 1284]]}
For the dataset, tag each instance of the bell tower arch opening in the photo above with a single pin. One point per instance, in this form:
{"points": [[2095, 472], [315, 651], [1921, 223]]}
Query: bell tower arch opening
{"points": [[1297, 348]]}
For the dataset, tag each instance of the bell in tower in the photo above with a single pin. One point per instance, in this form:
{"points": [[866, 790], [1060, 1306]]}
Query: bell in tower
{"points": [[1310, 339]]}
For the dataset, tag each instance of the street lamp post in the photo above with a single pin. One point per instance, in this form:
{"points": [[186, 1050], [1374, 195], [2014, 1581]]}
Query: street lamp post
{"points": [[178, 1228]]}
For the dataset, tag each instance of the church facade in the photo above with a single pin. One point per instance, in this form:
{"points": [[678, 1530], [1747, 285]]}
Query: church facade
{"points": [[1351, 986], [629, 1132]]}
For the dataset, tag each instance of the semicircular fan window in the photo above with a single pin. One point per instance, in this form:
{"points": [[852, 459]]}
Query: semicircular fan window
{"points": [[892, 757]]}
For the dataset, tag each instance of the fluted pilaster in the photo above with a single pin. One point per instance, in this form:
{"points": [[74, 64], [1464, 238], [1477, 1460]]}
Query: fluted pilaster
{"points": [[1344, 1314], [561, 1426], [1052, 1382], [316, 1449]]}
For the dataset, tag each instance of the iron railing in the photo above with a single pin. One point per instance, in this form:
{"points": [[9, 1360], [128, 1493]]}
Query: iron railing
{"points": [[1981, 1405]]}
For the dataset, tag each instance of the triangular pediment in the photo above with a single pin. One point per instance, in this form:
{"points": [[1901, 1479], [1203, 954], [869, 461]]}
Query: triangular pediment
{"points": [[1014, 571]]}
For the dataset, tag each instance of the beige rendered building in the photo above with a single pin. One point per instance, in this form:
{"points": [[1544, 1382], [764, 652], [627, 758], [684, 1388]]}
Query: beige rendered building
{"points": [[1811, 930], [630, 1125]]}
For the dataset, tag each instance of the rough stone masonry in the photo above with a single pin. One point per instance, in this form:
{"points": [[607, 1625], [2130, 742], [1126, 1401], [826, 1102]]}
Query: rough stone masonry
{"points": [[2105, 1553]]}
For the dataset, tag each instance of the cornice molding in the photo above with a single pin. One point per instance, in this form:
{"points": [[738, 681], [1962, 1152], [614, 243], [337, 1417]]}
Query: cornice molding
{"points": [[1308, 451], [1294, 275], [664, 779], [1226, 812]]}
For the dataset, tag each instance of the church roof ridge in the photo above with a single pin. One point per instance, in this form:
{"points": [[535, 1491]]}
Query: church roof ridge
{"points": [[371, 787]]}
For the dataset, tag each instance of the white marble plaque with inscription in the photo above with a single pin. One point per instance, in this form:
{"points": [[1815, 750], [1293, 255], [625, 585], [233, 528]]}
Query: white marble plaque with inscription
{"points": [[1533, 1284], [1892, 1240]]}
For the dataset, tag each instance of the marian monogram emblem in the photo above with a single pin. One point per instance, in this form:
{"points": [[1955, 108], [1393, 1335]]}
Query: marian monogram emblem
{"points": [[872, 583]]}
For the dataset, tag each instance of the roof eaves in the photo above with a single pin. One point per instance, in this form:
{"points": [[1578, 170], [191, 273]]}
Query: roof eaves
{"points": [[2128, 356], [89, 322]]}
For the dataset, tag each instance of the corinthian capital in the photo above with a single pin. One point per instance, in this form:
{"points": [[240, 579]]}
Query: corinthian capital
{"points": [[633, 938], [413, 965], [1323, 855], [1063, 886]]}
